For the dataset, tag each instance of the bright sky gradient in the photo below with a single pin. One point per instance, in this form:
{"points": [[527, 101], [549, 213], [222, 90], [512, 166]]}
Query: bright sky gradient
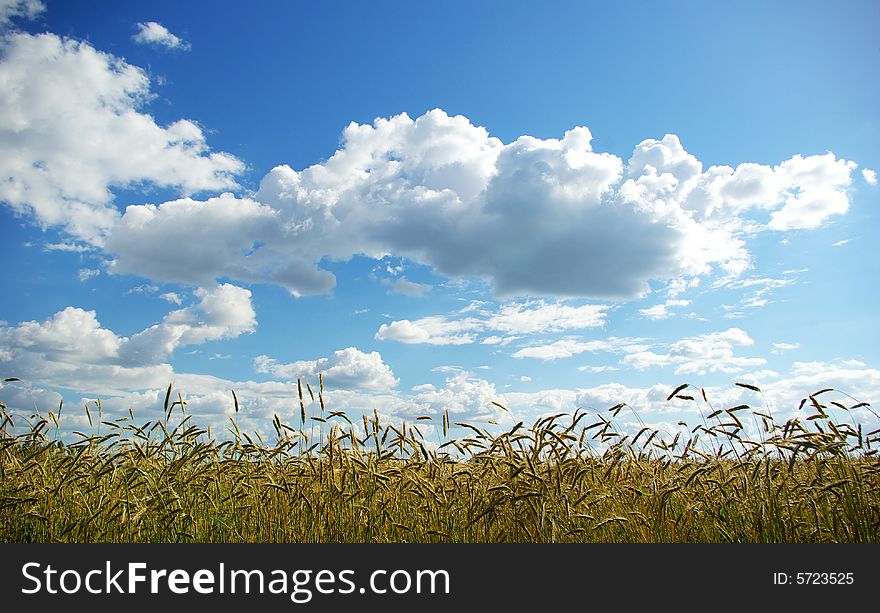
{"points": [[437, 205]]}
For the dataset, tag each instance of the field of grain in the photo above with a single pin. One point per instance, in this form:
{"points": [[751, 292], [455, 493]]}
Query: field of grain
{"points": [[564, 478]]}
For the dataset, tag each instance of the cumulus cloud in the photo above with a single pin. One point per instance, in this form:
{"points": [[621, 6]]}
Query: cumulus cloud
{"points": [[72, 128], [512, 320], [10, 9], [435, 330], [465, 397], [152, 33], [662, 311], [348, 368], [208, 236], [700, 354], [72, 350], [800, 193], [534, 216], [870, 176], [809, 209], [222, 312], [816, 190]]}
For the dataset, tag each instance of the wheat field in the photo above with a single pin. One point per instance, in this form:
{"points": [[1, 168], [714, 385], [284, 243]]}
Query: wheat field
{"points": [[564, 478]]}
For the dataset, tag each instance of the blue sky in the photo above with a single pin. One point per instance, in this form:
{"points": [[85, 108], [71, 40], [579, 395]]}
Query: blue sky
{"points": [[437, 205]]}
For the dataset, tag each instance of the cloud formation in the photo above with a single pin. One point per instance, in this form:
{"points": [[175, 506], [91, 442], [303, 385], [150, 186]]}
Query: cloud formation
{"points": [[532, 217], [434, 330], [663, 310], [153, 33], [28, 9], [72, 128], [348, 369], [712, 352], [569, 347], [72, 350], [511, 320]]}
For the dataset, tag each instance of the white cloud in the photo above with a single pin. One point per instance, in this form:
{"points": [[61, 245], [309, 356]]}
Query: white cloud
{"points": [[469, 400], [676, 287], [435, 330], [662, 311], [753, 302], [152, 33], [847, 376], [809, 209], [700, 354], [816, 189], [543, 401], [840, 243], [210, 239], [597, 369], [609, 394], [786, 346], [535, 216], [224, 311], [71, 350], [568, 347], [501, 341], [346, 369], [464, 397], [758, 298], [171, 297], [28, 9], [560, 349], [71, 129], [70, 247], [532, 217], [870, 176], [87, 273], [538, 316], [143, 288], [800, 193], [512, 319]]}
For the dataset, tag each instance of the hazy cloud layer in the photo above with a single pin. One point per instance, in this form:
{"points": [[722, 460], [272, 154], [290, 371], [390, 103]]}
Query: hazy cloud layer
{"points": [[511, 320]]}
